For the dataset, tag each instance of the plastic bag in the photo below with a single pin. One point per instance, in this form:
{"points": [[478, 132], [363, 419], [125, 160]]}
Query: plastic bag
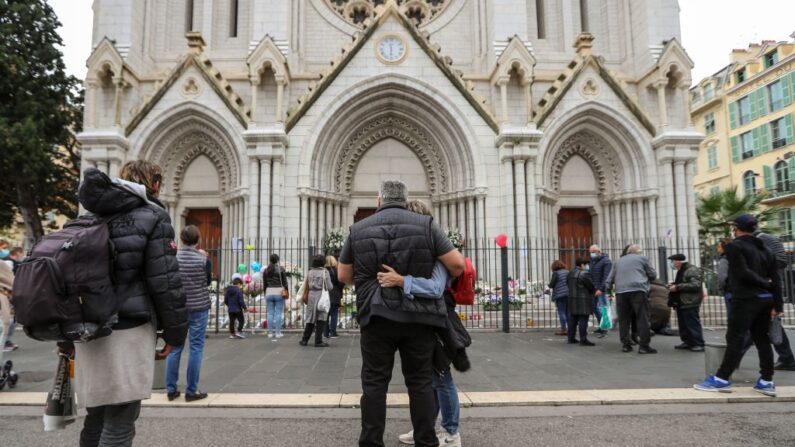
{"points": [[606, 322], [776, 332]]}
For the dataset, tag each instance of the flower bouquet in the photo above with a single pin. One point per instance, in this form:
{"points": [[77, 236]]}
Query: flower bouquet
{"points": [[456, 238], [333, 242]]}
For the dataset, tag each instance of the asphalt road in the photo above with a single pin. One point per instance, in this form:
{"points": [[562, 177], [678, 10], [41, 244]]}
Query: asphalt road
{"points": [[768, 424]]}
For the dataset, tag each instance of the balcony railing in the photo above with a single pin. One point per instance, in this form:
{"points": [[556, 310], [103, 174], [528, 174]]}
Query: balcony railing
{"points": [[781, 189]]}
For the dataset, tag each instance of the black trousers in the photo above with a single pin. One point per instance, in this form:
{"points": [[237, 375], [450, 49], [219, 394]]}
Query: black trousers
{"points": [[415, 342], [578, 321], [236, 316], [748, 314], [633, 305], [690, 330], [110, 425], [319, 326]]}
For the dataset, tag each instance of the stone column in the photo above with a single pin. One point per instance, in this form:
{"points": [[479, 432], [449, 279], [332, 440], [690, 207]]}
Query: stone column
{"points": [[117, 100], [503, 83], [279, 98], [684, 88], [323, 215], [668, 213], [113, 167], [255, 82], [653, 226], [277, 197], [663, 107], [691, 200], [313, 219], [304, 224], [444, 216], [680, 196], [90, 120], [521, 198], [253, 194], [640, 219], [531, 200], [265, 199], [507, 196], [529, 89], [471, 218], [481, 211]]}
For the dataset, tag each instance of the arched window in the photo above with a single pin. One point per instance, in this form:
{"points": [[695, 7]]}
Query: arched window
{"points": [[749, 182], [782, 176]]}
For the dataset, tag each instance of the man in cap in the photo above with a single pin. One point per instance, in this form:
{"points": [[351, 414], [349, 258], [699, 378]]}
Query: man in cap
{"points": [[756, 296], [685, 295]]}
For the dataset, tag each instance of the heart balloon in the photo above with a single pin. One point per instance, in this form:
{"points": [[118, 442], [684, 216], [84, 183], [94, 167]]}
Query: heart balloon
{"points": [[501, 240], [256, 266], [241, 268], [247, 278]]}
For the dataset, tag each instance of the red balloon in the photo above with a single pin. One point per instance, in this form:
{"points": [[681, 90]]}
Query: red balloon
{"points": [[501, 240]]}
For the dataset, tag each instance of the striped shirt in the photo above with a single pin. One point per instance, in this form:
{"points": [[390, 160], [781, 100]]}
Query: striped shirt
{"points": [[192, 270]]}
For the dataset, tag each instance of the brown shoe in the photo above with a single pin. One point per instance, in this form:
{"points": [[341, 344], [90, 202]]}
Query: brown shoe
{"points": [[562, 333]]}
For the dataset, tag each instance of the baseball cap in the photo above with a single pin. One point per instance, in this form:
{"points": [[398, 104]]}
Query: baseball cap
{"points": [[744, 222]]}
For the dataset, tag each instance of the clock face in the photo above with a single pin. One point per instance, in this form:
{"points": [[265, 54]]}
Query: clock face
{"points": [[391, 48]]}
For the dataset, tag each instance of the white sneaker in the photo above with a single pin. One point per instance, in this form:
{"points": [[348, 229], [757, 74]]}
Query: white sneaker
{"points": [[270, 335], [407, 438], [446, 439], [279, 335]]}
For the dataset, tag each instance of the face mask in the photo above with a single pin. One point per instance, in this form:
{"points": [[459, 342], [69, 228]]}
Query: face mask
{"points": [[4, 253], [594, 255], [671, 263], [587, 268]]}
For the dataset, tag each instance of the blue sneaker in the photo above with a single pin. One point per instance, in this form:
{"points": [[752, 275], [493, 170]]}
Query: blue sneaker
{"points": [[713, 383], [765, 387]]}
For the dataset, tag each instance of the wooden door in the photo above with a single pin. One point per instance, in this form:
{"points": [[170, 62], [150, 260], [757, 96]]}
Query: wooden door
{"points": [[363, 213], [575, 233], [209, 223]]}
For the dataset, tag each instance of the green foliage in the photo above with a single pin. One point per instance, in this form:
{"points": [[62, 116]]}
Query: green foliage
{"points": [[40, 110], [720, 207]]}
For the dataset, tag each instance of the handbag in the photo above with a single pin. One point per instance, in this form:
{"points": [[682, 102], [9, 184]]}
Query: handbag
{"points": [[776, 332], [607, 322], [285, 290], [324, 304]]}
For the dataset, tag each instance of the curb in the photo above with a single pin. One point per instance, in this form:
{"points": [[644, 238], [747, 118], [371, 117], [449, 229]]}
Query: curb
{"points": [[467, 399]]}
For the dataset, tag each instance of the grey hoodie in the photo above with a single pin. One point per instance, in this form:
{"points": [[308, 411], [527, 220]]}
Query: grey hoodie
{"points": [[631, 273]]}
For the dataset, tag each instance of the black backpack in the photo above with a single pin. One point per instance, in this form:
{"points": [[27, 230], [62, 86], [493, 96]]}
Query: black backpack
{"points": [[64, 291]]}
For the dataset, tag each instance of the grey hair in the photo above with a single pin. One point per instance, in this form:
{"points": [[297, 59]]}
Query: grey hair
{"points": [[393, 191], [633, 249], [419, 207]]}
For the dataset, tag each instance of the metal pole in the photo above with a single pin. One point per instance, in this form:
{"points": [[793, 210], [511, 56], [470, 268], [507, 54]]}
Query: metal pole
{"points": [[506, 315], [663, 263], [218, 287]]}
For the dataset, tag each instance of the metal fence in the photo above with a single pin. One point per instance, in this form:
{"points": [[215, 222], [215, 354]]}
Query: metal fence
{"points": [[528, 274]]}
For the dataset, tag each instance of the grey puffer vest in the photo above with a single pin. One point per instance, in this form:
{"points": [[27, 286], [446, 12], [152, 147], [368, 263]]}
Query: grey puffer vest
{"points": [[402, 240]]}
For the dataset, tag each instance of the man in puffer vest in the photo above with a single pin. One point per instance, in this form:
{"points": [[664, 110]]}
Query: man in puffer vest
{"points": [[409, 243]]}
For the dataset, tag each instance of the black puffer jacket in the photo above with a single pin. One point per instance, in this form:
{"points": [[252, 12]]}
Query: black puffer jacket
{"points": [[146, 269]]}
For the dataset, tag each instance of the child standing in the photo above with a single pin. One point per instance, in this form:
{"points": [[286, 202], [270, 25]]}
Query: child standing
{"points": [[235, 305]]}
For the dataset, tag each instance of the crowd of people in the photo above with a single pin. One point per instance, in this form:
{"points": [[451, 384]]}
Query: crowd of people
{"points": [[403, 267]]}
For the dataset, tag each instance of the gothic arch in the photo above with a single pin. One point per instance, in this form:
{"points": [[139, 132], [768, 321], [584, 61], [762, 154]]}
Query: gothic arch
{"points": [[399, 128], [182, 138], [413, 113], [619, 145]]}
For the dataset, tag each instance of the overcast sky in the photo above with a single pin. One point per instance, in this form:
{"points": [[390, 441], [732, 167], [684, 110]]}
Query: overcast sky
{"points": [[710, 29]]}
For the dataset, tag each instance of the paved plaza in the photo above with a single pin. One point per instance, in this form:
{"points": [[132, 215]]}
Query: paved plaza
{"points": [[519, 361]]}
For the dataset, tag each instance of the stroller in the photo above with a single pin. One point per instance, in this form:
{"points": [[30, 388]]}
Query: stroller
{"points": [[7, 374]]}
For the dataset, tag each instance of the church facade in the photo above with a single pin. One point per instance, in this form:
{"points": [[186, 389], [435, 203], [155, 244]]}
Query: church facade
{"points": [[278, 119]]}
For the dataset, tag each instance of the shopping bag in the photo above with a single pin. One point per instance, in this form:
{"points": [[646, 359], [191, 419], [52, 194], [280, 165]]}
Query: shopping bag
{"points": [[324, 304], [776, 332], [606, 322]]}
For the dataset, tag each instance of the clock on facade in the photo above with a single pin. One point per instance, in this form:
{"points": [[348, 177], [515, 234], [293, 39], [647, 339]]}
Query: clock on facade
{"points": [[391, 49]]}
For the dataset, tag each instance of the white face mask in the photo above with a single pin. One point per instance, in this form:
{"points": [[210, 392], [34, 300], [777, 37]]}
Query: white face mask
{"points": [[672, 265]]}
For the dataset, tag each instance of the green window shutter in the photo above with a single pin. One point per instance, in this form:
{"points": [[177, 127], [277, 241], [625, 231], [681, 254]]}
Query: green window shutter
{"points": [[788, 131], [756, 111], [733, 114], [761, 95], [764, 138], [755, 141], [791, 169], [791, 220], [735, 149], [787, 85], [767, 171]]}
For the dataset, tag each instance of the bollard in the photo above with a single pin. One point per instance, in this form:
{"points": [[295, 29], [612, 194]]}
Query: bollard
{"points": [[713, 356]]}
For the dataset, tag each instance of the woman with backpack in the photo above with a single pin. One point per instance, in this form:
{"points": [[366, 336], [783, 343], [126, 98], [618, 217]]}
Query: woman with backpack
{"points": [[277, 290], [560, 293], [114, 373]]}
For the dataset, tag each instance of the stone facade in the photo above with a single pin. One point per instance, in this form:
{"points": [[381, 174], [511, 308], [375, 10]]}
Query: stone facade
{"points": [[285, 116]]}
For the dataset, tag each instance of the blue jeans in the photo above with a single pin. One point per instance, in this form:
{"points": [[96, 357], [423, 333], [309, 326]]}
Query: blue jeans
{"points": [[197, 327], [275, 313], [447, 401], [333, 318], [562, 304]]}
